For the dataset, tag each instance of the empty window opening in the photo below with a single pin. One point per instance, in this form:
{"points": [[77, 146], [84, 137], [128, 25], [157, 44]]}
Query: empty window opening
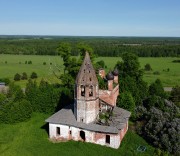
{"points": [[70, 132], [82, 90], [89, 79], [108, 139], [82, 135], [58, 131], [89, 71], [84, 70], [91, 91]]}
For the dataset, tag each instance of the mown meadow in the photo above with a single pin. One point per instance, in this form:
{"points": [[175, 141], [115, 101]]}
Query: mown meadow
{"points": [[167, 71], [31, 138]]}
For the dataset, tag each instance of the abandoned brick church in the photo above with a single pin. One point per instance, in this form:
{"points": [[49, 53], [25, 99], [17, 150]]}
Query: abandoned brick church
{"points": [[86, 119]]}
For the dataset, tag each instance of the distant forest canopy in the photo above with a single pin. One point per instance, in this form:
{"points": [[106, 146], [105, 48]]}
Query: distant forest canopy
{"points": [[103, 46]]}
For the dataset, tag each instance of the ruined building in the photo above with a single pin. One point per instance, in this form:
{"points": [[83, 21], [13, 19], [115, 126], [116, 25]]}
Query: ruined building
{"points": [[94, 116]]}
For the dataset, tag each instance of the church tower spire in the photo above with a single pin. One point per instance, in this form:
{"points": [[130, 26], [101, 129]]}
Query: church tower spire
{"points": [[86, 105]]}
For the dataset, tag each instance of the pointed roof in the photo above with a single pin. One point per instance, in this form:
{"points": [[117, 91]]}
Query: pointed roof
{"points": [[86, 75]]}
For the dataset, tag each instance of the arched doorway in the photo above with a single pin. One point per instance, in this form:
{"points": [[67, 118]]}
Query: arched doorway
{"points": [[82, 135]]}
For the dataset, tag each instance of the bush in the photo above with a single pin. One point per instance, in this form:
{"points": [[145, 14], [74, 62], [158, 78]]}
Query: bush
{"points": [[157, 89], [5, 62], [162, 130], [43, 98], [160, 127], [126, 101], [147, 67], [17, 77], [175, 95], [176, 61], [14, 112], [44, 63], [33, 75], [24, 76], [101, 64], [156, 73], [29, 62], [5, 80]]}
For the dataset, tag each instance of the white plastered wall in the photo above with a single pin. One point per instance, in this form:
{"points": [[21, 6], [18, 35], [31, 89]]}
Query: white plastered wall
{"points": [[89, 135]]}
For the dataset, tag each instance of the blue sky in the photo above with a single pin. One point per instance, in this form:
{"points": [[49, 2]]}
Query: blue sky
{"points": [[90, 17]]}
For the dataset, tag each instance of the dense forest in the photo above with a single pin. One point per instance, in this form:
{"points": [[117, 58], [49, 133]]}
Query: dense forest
{"points": [[102, 46]]}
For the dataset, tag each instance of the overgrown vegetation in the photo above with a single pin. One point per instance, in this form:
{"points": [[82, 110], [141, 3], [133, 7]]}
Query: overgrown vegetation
{"points": [[156, 118], [30, 138]]}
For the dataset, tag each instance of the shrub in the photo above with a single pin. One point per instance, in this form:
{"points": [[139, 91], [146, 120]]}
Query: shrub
{"points": [[29, 62], [24, 76], [5, 80], [101, 64], [33, 75], [50, 63], [162, 130], [44, 63], [176, 61], [5, 62], [17, 77], [157, 89], [14, 112], [175, 95], [156, 73], [21, 111], [19, 62], [147, 67], [126, 101]]}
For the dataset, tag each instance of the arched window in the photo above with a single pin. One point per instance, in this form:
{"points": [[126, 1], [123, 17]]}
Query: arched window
{"points": [[82, 90], [90, 90]]}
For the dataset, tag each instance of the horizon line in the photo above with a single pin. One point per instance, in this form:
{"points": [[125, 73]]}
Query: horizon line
{"points": [[91, 35]]}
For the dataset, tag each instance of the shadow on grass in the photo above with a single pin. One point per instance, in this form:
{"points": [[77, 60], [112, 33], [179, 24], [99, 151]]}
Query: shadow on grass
{"points": [[46, 127]]}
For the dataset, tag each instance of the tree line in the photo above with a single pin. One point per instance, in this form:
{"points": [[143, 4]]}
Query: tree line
{"points": [[103, 46], [154, 116]]}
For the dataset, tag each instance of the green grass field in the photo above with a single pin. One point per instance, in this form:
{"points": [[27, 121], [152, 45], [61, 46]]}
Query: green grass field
{"points": [[16, 64], [31, 138]]}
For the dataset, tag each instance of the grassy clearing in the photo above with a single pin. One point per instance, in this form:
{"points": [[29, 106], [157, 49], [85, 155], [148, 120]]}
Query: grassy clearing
{"points": [[16, 64], [13, 66], [31, 138], [159, 64]]}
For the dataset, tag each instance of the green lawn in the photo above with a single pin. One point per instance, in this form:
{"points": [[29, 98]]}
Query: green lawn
{"points": [[30, 138], [13, 66]]}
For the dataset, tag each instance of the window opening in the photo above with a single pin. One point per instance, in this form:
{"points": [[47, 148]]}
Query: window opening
{"points": [[91, 91], [108, 139], [58, 131], [82, 90]]}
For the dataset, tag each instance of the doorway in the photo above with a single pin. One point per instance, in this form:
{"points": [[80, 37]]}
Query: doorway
{"points": [[82, 135]]}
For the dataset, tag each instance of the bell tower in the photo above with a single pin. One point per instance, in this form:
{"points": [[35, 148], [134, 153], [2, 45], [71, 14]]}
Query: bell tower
{"points": [[86, 106]]}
